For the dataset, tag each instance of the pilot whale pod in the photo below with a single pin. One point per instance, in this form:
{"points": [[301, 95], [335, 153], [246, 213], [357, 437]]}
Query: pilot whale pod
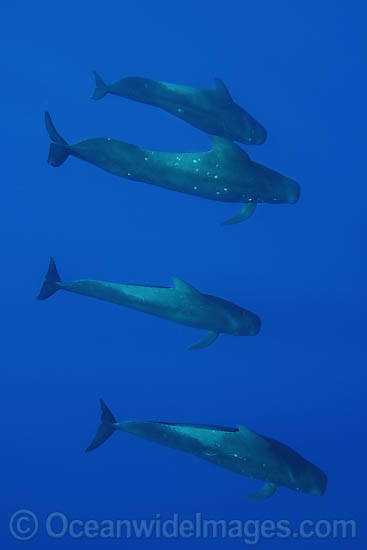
{"points": [[211, 110], [239, 450], [181, 303], [224, 173]]}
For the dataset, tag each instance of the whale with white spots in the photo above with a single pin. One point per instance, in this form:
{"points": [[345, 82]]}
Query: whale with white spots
{"points": [[223, 173], [239, 450], [211, 110]]}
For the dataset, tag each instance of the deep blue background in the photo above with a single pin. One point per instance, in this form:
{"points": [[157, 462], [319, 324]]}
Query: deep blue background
{"points": [[297, 67]]}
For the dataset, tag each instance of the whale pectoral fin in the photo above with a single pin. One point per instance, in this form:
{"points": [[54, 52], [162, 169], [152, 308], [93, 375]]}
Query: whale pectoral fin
{"points": [[266, 492], [208, 339], [246, 212]]}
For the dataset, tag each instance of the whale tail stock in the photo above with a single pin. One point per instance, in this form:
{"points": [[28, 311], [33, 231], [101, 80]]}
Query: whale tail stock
{"points": [[59, 148], [101, 88], [105, 429], [50, 286]]}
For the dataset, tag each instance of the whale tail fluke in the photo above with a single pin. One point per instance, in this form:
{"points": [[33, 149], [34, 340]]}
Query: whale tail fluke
{"points": [[59, 148], [101, 88], [50, 285], [106, 428], [57, 154]]}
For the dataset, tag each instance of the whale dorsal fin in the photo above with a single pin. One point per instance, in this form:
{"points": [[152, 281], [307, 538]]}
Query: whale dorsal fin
{"points": [[184, 287], [245, 430], [253, 438], [225, 145], [221, 91]]}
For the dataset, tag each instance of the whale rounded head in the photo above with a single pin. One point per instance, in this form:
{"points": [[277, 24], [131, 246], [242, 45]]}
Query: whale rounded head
{"points": [[248, 130], [258, 135], [313, 481], [249, 324], [280, 189], [291, 190], [319, 485]]}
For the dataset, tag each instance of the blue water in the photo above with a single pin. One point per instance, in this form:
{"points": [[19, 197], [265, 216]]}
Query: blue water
{"points": [[297, 67]]}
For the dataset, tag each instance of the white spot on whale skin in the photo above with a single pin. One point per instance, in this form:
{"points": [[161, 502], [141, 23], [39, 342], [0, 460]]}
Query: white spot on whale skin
{"points": [[145, 158], [129, 174], [215, 177], [108, 139], [195, 188], [179, 110], [196, 169], [194, 161], [217, 193], [217, 165], [208, 173], [225, 188], [178, 158]]}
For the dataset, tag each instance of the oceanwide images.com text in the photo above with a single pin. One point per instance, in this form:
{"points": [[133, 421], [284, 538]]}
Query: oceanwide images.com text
{"points": [[25, 525]]}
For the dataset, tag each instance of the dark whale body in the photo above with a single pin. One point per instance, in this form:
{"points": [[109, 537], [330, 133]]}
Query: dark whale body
{"points": [[224, 173], [182, 304], [211, 110], [239, 450]]}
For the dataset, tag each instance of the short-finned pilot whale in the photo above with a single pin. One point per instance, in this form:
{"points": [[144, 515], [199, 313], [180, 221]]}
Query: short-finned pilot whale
{"points": [[211, 110], [224, 173], [237, 449], [181, 303]]}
